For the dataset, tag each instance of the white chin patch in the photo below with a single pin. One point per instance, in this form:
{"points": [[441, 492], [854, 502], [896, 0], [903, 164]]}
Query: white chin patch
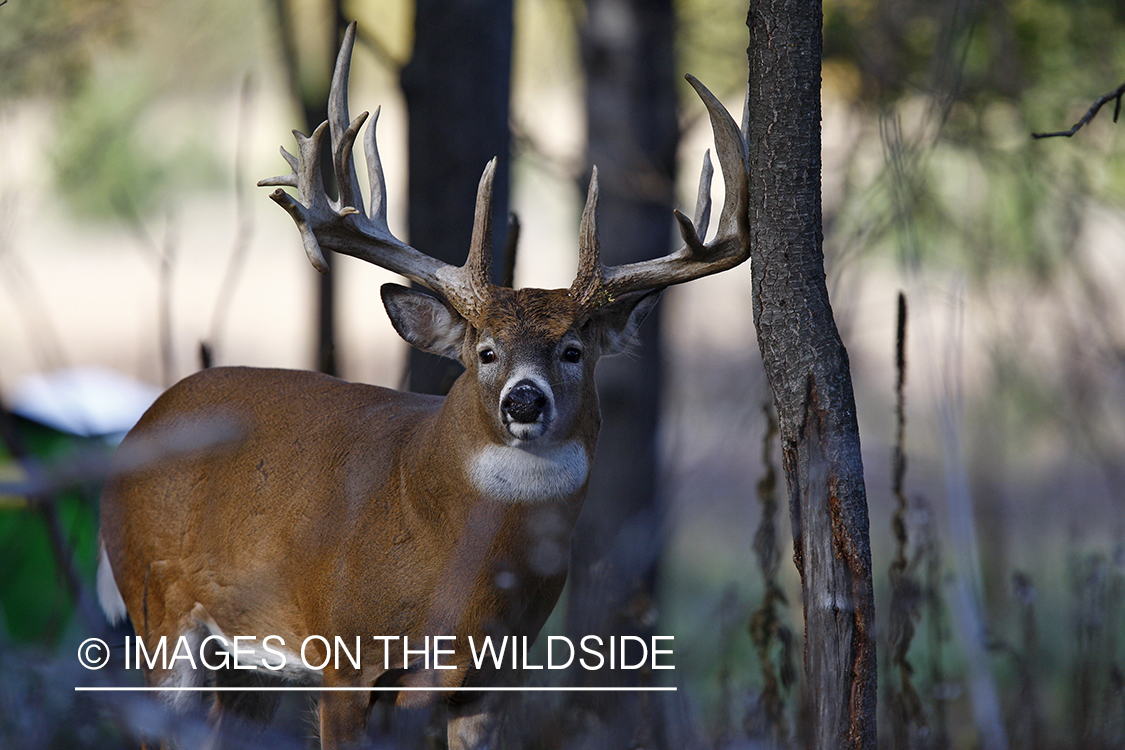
{"points": [[522, 431], [530, 473]]}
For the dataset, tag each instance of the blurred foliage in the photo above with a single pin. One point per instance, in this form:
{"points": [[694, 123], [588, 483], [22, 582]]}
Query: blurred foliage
{"points": [[711, 38], [975, 50], [965, 84], [48, 47], [951, 175], [112, 71], [943, 176], [947, 94], [970, 78], [104, 163]]}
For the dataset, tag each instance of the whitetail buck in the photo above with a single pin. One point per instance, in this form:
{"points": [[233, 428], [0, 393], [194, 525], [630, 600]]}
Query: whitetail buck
{"points": [[251, 502]]}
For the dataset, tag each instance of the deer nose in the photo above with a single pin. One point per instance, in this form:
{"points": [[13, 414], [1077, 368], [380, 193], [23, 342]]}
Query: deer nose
{"points": [[524, 403]]}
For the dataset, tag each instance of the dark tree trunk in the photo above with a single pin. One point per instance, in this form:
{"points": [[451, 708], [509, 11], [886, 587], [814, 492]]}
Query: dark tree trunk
{"points": [[633, 133], [457, 90], [808, 370]]}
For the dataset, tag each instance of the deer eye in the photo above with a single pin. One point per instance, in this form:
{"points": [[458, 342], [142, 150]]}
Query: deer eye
{"points": [[572, 354], [487, 356]]}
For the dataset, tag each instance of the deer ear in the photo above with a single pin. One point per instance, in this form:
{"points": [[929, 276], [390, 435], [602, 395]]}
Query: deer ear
{"points": [[424, 320], [619, 320]]}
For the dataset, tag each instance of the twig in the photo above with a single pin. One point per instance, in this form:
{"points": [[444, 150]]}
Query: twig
{"points": [[566, 167], [26, 293], [1117, 93], [244, 221], [167, 267], [965, 589], [509, 273], [165, 256], [381, 51], [908, 720]]}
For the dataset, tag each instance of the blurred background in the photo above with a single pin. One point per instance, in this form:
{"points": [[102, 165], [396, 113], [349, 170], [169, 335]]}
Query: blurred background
{"points": [[132, 237]]}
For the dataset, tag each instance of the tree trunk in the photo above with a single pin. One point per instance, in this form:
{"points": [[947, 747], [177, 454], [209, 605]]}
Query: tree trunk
{"points": [[457, 88], [627, 51], [808, 370]]}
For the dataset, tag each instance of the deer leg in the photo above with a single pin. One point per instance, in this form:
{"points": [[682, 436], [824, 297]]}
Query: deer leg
{"points": [[178, 702], [475, 725], [343, 719]]}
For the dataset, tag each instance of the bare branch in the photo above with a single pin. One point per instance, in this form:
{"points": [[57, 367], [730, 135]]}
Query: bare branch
{"points": [[164, 254], [1117, 93], [381, 51], [26, 293], [245, 219]]}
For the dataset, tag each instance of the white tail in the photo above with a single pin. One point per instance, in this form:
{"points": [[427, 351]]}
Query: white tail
{"points": [[108, 594], [256, 503]]}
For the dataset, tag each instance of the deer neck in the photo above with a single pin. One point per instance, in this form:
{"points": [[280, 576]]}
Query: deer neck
{"points": [[463, 453]]}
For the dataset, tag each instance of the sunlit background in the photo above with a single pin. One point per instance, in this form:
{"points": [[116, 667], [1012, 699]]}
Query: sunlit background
{"points": [[131, 231]]}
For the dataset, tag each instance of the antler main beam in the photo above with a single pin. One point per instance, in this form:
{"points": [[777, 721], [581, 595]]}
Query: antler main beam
{"points": [[342, 225], [596, 284]]}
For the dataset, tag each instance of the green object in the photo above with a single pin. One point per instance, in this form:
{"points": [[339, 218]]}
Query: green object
{"points": [[36, 602]]}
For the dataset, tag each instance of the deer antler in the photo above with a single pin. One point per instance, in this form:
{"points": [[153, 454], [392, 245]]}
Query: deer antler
{"points": [[596, 285], [342, 226]]}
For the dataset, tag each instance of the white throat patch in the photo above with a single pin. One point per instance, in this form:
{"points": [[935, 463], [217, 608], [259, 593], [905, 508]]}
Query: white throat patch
{"points": [[529, 474]]}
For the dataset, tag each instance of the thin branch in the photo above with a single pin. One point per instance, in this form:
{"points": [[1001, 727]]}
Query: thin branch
{"points": [[167, 268], [1117, 93], [245, 220], [26, 293], [567, 167], [381, 51], [164, 254]]}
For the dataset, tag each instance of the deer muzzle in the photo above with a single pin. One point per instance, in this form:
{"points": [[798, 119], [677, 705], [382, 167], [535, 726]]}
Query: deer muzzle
{"points": [[525, 409]]}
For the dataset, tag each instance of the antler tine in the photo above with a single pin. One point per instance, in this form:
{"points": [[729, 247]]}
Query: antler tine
{"points": [[588, 287], [596, 285], [375, 172], [288, 180], [306, 177], [479, 263], [730, 145], [469, 287], [342, 128], [341, 225], [703, 197]]}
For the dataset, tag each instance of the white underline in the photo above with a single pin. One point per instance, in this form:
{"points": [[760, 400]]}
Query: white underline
{"points": [[293, 689]]}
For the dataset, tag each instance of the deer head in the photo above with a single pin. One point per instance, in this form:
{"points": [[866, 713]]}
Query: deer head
{"points": [[520, 346]]}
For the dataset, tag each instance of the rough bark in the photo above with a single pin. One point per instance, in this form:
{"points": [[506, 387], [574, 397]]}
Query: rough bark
{"points": [[457, 88], [808, 370]]}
